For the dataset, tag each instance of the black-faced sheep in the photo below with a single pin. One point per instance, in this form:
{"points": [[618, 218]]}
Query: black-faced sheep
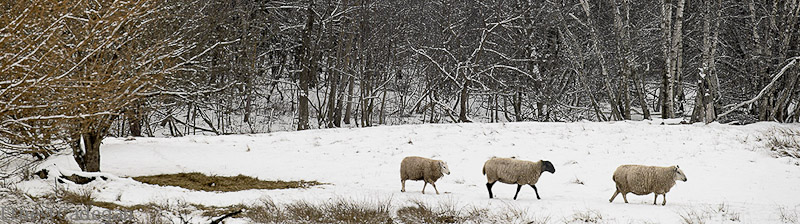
{"points": [[643, 180], [419, 168], [514, 171]]}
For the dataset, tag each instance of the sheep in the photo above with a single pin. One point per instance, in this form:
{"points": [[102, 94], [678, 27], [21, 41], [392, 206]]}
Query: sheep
{"points": [[643, 180], [513, 171], [419, 168]]}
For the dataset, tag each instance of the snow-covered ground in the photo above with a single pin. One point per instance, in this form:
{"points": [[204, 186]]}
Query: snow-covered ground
{"points": [[726, 166]]}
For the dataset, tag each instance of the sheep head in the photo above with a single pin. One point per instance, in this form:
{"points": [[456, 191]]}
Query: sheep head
{"points": [[679, 175], [444, 168], [548, 166]]}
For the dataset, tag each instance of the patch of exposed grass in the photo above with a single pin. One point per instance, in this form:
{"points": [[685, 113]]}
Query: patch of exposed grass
{"points": [[202, 182]]}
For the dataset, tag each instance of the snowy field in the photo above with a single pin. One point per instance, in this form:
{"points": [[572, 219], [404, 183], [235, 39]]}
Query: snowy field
{"points": [[726, 166]]}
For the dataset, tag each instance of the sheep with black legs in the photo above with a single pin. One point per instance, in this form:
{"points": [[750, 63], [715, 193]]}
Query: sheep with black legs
{"points": [[514, 171], [419, 168], [643, 180]]}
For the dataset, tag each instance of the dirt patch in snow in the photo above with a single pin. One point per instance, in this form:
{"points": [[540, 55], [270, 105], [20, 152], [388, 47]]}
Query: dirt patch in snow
{"points": [[202, 182]]}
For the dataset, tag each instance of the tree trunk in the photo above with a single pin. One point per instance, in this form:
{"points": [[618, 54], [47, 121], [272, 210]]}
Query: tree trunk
{"points": [[333, 91], [705, 110], [638, 82], [665, 94], [382, 119], [573, 48], [248, 104], [86, 144], [673, 36], [780, 111], [596, 45], [135, 118], [308, 70], [337, 116], [626, 64], [496, 108], [349, 108], [462, 114]]}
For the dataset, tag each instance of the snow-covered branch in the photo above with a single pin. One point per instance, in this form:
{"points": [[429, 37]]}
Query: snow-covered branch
{"points": [[766, 89]]}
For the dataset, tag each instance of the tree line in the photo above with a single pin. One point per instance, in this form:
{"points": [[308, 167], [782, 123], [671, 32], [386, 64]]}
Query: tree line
{"points": [[74, 72]]}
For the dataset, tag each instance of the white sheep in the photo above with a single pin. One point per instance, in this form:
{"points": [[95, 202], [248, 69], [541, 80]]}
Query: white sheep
{"points": [[419, 168], [514, 171], [643, 180]]}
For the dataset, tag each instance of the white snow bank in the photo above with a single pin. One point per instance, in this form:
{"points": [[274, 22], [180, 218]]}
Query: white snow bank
{"points": [[724, 165]]}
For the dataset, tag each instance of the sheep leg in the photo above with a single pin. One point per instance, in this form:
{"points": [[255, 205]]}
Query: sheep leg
{"points": [[434, 187], [403, 182], [665, 199], [423, 187], [515, 194], [489, 187], [537, 191], [624, 194], [655, 199], [613, 196]]}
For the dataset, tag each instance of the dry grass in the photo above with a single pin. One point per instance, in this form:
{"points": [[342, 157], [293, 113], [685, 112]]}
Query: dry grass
{"points": [[785, 142], [709, 214], [512, 214], [420, 212], [727, 213], [335, 211], [202, 182], [788, 215], [339, 210], [83, 196], [354, 211], [588, 216], [693, 217], [450, 212]]}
